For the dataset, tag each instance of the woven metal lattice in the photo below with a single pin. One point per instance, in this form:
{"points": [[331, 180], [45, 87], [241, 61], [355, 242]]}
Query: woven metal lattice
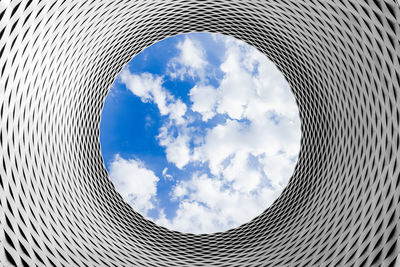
{"points": [[57, 204]]}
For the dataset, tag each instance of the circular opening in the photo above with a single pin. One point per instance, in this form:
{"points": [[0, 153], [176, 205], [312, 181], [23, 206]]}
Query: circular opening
{"points": [[200, 132]]}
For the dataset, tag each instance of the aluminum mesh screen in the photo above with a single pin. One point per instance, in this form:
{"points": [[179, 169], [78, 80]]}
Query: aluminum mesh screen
{"points": [[57, 204]]}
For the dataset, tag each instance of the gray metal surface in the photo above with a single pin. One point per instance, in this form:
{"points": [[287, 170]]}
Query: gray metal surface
{"points": [[57, 204]]}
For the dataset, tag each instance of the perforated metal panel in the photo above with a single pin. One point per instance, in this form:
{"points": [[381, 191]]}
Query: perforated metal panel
{"points": [[57, 204]]}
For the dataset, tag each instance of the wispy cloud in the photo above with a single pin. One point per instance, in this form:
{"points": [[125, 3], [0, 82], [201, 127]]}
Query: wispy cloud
{"points": [[136, 184], [190, 62], [149, 88], [204, 99], [206, 205], [247, 157]]}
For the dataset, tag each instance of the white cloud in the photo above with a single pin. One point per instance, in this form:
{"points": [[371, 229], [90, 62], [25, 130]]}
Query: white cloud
{"points": [[190, 61], [166, 175], [252, 89], [278, 168], [191, 217], [177, 111], [136, 184], [149, 88], [142, 85], [249, 155], [237, 87], [204, 99], [176, 148], [207, 206], [191, 54]]}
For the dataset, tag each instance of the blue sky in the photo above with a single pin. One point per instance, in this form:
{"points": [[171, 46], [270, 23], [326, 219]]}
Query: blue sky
{"points": [[200, 132]]}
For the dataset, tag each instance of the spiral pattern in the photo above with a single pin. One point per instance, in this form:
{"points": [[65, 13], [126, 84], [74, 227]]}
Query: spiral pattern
{"points": [[57, 62]]}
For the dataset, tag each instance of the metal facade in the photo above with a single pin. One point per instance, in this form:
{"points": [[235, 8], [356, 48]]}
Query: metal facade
{"points": [[57, 62]]}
